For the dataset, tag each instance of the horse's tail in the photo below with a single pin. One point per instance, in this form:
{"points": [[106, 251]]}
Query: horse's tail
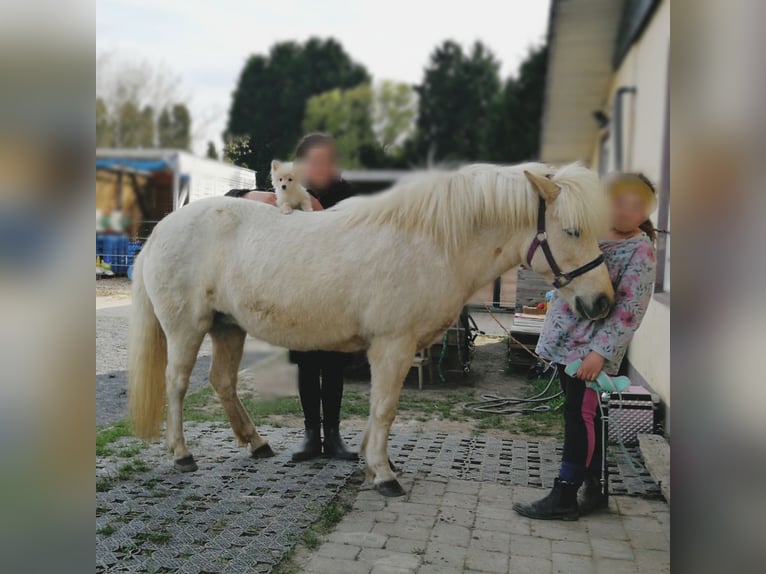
{"points": [[147, 358]]}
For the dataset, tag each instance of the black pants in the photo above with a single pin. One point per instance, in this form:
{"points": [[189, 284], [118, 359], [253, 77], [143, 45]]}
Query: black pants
{"points": [[320, 384], [583, 437]]}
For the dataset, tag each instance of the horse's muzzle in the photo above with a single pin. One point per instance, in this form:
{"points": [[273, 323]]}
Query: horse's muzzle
{"points": [[600, 308]]}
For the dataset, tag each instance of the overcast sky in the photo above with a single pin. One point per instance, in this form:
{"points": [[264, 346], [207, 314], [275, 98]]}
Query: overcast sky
{"points": [[206, 43]]}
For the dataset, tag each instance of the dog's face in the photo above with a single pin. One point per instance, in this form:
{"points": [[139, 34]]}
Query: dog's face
{"points": [[284, 176]]}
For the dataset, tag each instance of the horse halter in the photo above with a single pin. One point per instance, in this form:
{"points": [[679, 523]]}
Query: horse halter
{"points": [[561, 279]]}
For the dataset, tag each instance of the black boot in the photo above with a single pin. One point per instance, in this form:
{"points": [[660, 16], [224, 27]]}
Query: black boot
{"points": [[591, 496], [311, 447], [560, 504], [334, 447]]}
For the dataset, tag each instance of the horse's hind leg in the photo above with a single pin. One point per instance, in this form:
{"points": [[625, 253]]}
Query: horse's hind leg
{"points": [[228, 344], [182, 354]]}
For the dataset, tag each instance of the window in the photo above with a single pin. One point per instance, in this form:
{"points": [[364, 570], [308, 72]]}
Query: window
{"points": [[662, 282]]}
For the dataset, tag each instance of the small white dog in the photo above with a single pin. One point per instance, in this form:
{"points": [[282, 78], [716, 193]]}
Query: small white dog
{"points": [[290, 193]]}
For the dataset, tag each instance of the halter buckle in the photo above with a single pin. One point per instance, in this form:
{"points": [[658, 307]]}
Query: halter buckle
{"points": [[561, 280], [542, 236]]}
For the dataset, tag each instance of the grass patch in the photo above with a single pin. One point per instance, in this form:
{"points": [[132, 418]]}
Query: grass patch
{"points": [[311, 540], [546, 423], [107, 530], [110, 434]]}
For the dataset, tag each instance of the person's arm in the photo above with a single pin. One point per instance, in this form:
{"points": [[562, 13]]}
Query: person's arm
{"points": [[263, 196], [632, 297], [315, 205]]}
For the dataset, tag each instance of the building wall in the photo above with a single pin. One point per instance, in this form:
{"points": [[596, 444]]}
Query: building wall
{"points": [[646, 68]]}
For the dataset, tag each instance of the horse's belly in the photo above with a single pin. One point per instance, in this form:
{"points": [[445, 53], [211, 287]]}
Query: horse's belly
{"points": [[300, 332]]}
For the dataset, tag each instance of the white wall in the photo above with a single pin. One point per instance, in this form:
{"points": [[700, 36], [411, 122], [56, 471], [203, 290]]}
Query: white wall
{"points": [[646, 67], [212, 178]]}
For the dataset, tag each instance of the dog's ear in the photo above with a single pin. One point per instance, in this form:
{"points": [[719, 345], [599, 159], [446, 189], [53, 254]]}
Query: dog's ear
{"points": [[275, 165]]}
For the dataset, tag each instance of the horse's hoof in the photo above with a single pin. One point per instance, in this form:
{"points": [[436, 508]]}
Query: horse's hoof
{"points": [[185, 464], [392, 466], [263, 451], [390, 488]]}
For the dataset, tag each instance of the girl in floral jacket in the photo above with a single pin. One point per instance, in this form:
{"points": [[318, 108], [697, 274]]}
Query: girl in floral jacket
{"points": [[629, 256]]}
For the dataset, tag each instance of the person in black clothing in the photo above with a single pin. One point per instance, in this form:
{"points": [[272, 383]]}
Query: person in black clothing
{"points": [[320, 373]]}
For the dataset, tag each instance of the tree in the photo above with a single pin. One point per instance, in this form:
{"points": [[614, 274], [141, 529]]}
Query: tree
{"points": [[457, 92], [174, 127], [135, 127], [394, 110], [270, 98], [236, 150], [128, 97], [211, 151], [346, 115], [104, 127], [513, 132]]}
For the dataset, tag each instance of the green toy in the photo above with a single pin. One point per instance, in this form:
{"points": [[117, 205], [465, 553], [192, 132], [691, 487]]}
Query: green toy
{"points": [[603, 383]]}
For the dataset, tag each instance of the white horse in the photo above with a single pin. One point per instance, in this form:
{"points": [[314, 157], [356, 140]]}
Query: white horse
{"points": [[386, 274]]}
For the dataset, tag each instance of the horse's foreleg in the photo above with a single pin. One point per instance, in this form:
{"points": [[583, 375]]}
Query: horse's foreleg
{"points": [[390, 359], [182, 354], [228, 344]]}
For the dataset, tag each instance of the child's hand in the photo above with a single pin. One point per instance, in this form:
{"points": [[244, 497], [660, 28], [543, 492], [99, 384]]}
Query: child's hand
{"points": [[591, 367]]}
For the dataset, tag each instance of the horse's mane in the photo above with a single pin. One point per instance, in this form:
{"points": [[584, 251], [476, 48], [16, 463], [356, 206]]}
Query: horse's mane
{"points": [[449, 206]]}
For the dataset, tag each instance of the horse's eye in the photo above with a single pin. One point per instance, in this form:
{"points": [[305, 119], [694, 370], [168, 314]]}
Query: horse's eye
{"points": [[572, 232]]}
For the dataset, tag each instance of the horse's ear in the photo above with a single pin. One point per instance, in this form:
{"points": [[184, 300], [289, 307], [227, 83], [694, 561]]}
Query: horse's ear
{"points": [[548, 190], [275, 164]]}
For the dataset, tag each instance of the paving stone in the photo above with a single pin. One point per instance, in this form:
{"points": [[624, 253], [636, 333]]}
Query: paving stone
{"points": [[487, 561], [573, 564], [370, 504], [440, 569], [406, 545], [494, 512], [559, 530], [413, 508], [453, 534], [440, 554], [642, 524], [365, 539], [403, 531], [610, 528], [530, 546], [389, 558], [460, 500], [429, 488], [335, 550], [617, 549], [385, 516], [609, 566], [632, 506], [461, 516], [567, 547], [653, 561], [355, 525], [322, 565], [529, 565], [514, 525], [415, 520], [463, 486], [489, 540], [385, 569], [642, 540]]}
